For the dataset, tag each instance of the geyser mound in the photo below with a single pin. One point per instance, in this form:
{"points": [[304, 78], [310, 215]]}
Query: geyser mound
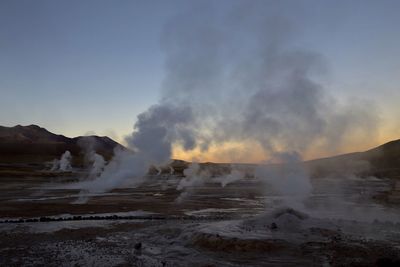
{"points": [[282, 219]]}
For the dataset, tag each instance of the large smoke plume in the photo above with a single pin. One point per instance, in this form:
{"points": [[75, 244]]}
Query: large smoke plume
{"points": [[238, 77]]}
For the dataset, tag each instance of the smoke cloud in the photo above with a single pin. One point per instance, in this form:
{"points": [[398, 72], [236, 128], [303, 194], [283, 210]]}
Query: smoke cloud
{"points": [[96, 161], [238, 78], [194, 177], [288, 177], [233, 176]]}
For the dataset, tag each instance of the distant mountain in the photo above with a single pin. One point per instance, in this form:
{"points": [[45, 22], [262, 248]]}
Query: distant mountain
{"points": [[35, 144], [382, 161]]}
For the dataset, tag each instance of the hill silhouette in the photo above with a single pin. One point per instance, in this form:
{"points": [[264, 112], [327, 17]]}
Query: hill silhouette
{"points": [[382, 161], [34, 144]]}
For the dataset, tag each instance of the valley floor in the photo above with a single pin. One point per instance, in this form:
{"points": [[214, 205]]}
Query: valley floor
{"points": [[343, 223]]}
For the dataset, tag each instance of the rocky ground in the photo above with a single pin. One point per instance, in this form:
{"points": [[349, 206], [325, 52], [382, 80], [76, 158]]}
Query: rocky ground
{"points": [[238, 225]]}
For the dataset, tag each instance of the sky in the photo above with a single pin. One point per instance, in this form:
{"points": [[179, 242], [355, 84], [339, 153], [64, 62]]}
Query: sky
{"points": [[84, 67]]}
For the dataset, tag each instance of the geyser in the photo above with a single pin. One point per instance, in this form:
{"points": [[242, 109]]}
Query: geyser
{"points": [[238, 78], [64, 163]]}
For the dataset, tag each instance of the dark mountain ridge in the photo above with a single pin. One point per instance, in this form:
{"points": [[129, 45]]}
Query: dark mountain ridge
{"points": [[382, 161], [34, 144]]}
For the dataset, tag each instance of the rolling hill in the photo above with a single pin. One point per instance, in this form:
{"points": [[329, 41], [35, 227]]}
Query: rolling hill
{"points": [[34, 144], [382, 161]]}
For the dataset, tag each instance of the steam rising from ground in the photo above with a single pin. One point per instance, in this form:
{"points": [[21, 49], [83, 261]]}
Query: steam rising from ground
{"points": [[63, 164], [289, 178], [98, 164], [96, 161], [195, 177], [233, 176], [238, 78]]}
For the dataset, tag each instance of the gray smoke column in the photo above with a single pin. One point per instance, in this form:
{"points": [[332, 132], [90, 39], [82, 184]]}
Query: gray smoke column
{"points": [[123, 168], [96, 161], [150, 144], [238, 77], [288, 177], [158, 128], [194, 177], [64, 163], [98, 164], [244, 79], [233, 176]]}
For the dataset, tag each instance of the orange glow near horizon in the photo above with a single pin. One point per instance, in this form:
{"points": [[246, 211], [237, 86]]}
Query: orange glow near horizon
{"points": [[251, 152], [225, 153]]}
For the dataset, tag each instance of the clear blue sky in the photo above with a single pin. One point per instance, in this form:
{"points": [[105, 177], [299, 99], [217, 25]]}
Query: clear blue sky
{"points": [[92, 66]]}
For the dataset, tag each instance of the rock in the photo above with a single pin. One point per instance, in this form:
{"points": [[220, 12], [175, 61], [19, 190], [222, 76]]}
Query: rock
{"points": [[273, 226], [138, 246], [387, 262]]}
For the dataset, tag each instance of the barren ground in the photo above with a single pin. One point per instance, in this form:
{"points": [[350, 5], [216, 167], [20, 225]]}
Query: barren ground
{"points": [[239, 225]]}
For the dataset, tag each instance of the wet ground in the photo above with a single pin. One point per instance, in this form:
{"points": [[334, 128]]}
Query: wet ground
{"points": [[342, 223]]}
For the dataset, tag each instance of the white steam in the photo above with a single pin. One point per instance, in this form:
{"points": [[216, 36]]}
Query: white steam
{"points": [[233, 176], [238, 78], [125, 169], [288, 177], [194, 177], [98, 164], [96, 161], [64, 163]]}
